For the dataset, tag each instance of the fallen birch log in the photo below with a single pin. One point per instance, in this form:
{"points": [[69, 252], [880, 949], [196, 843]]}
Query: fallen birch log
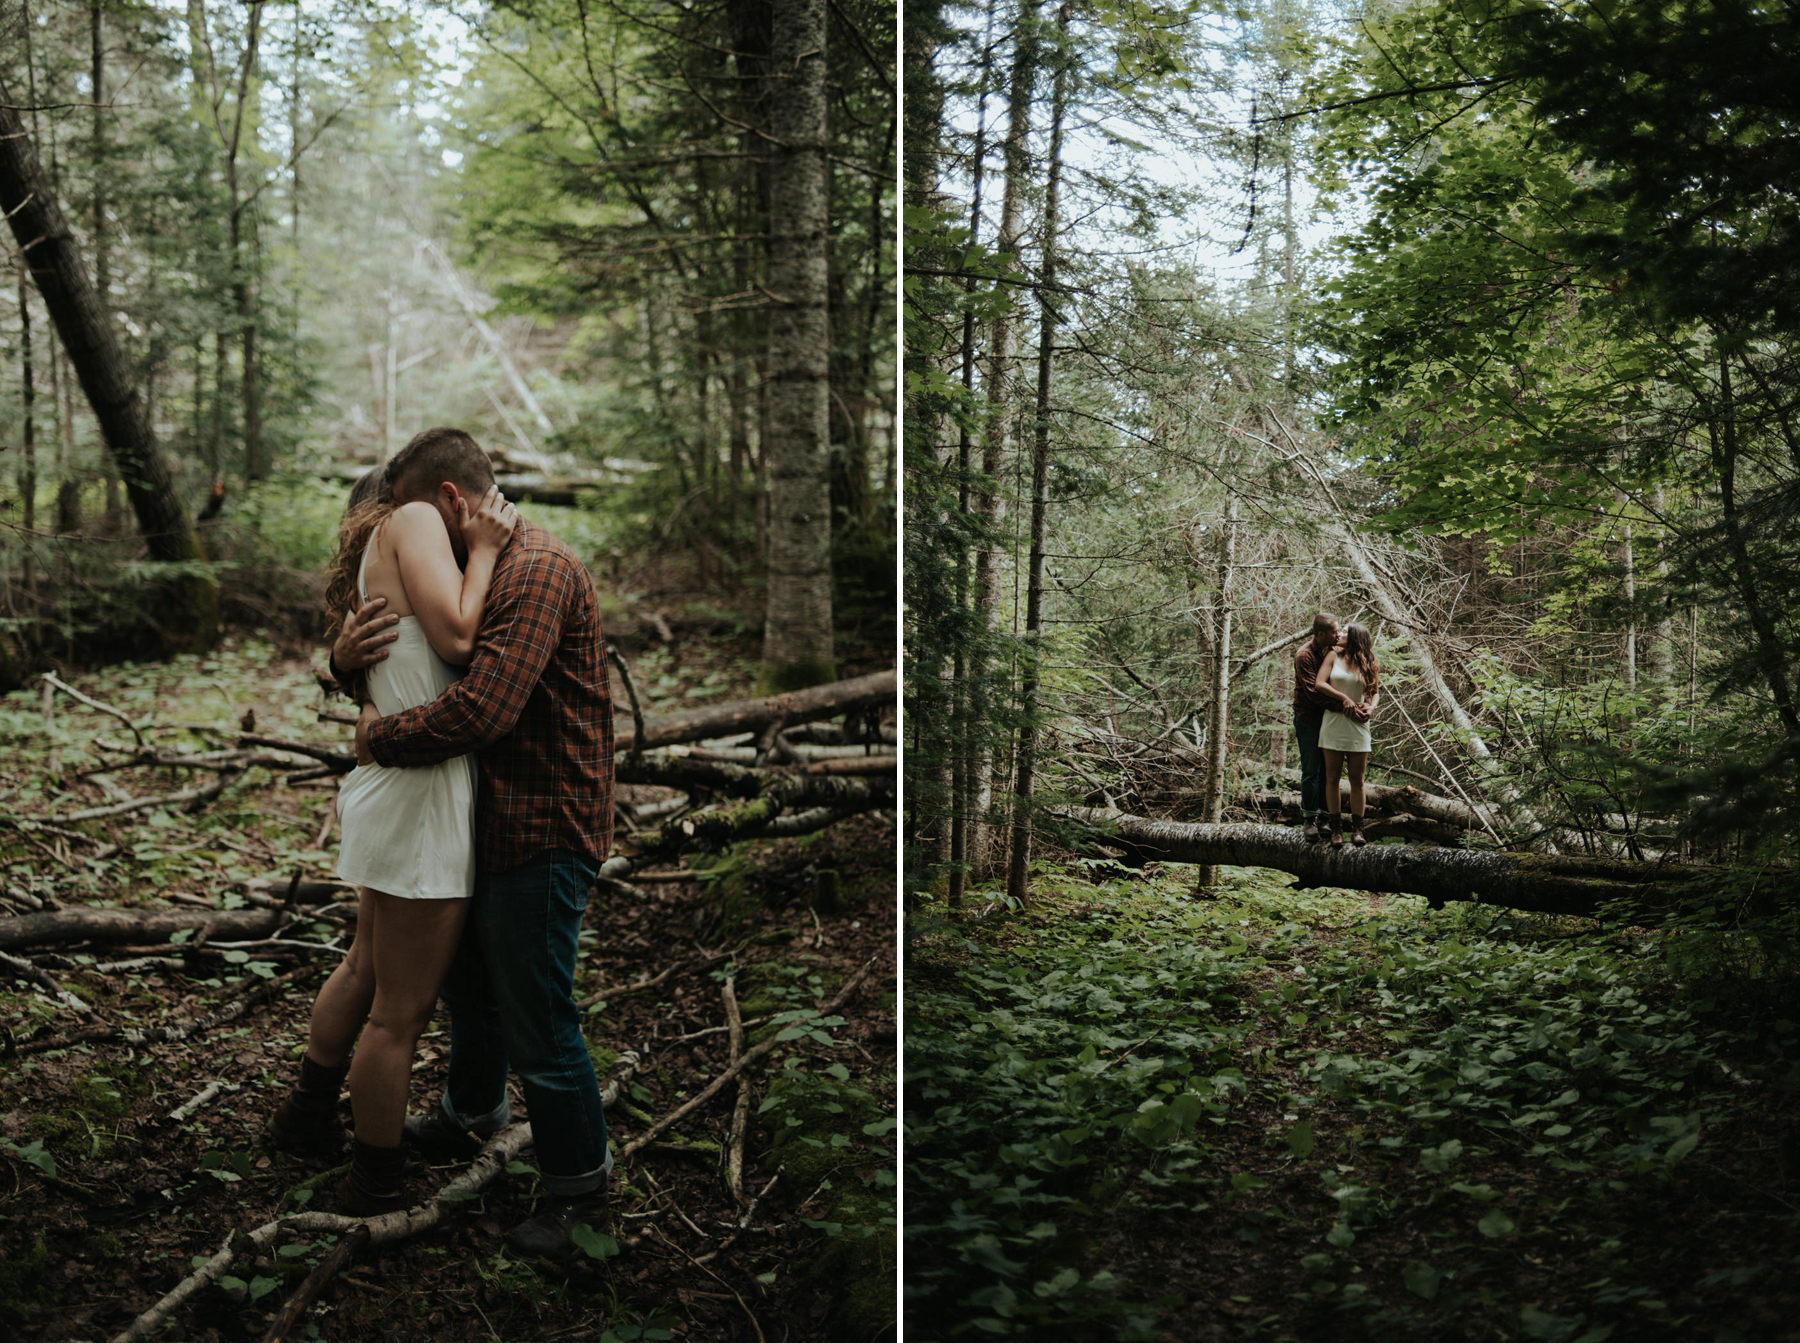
{"points": [[1543, 883], [140, 926]]}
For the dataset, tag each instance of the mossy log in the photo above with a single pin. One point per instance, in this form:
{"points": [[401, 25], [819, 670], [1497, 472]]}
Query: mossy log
{"points": [[758, 817], [1546, 884], [752, 715]]}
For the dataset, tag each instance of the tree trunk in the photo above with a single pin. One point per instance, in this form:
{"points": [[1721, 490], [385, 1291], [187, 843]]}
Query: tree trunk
{"points": [[1214, 804], [28, 467], [990, 504], [1528, 881], [797, 638], [798, 706], [1018, 868], [190, 614]]}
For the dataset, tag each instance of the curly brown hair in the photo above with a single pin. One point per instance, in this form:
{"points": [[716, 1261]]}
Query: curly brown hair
{"points": [[369, 508], [1359, 652]]}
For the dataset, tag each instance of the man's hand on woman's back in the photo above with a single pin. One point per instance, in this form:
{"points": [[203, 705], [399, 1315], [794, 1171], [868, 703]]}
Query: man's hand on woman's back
{"points": [[363, 640]]}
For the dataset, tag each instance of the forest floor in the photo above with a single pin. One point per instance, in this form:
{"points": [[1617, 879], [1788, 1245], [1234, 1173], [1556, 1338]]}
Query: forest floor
{"points": [[1322, 1114], [106, 1203]]}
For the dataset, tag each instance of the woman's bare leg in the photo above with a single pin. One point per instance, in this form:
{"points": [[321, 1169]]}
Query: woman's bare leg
{"points": [[1356, 765], [1334, 769], [414, 942], [343, 1003]]}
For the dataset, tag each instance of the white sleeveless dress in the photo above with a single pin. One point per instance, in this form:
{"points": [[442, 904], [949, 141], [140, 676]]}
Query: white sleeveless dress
{"points": [[1340, 732], [409, 832]]}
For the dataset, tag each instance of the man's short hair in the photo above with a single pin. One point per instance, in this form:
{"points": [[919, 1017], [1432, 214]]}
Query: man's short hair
{"points": [[1324, 622], [437, 455]]}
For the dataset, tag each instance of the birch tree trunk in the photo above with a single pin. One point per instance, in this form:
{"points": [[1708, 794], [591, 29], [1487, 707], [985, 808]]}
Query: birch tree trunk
{"points": [[190, 610], [1018, 869], [990, 505], [1213, 800], [797, 647]]}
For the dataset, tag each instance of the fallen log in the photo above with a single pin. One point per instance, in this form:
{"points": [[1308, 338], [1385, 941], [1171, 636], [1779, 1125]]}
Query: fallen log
{"points": [[134, 926], [751, 715], [1541, 883], [822, 798]]}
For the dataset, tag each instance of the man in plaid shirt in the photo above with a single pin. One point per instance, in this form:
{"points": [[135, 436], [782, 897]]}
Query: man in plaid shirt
{"points": [[535, 707]]}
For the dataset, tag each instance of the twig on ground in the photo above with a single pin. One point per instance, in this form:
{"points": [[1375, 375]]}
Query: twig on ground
{"points": [[743, 1224], [328, 1268], [189, 796], [41, 976], [616, 990], [761, 1338], [717, 1030], [717, 1085], [324, 754], [181, 1113], [51, 680], [740, 1114]]}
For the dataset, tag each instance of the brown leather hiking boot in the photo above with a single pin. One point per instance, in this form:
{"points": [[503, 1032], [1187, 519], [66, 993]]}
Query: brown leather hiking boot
{"points": [[1311, 833], [376, 1182], [1356, 834], [1337, 829], [305, 1123]]}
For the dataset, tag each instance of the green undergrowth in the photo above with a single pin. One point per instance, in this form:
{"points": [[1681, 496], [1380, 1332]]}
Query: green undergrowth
{"points": [[1361, 1117]]}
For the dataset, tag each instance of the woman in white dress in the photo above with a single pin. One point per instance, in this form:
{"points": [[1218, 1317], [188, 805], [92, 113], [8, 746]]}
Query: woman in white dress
{"points": [[408, 834], [1351, 673]]}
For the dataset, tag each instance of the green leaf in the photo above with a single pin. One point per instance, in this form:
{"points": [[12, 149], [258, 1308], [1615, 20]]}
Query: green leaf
{"points": [[592, 1243], [261, 1287], [1300, 1139], [1495, 1224], [1422, 1280]]}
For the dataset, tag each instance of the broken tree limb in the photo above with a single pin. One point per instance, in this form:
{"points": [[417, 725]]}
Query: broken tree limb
{"points": [[51, 680], [386, 1229], [328, 1268], [1542, 883], [799, 706], [750, 1056], [148, 926], [38, 975], [340, 760], [740, 1112]]}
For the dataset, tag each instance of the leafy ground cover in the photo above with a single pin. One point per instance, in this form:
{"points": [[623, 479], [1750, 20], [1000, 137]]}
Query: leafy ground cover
{"points": [[105, 1201], [1289, 1114]]}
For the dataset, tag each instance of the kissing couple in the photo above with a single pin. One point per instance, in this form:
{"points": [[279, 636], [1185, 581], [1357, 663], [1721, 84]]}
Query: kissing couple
{"points": [[473, 825]]}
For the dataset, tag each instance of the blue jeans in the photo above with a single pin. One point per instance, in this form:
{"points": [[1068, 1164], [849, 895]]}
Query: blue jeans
{"points": [[1312, 767], [512, 1006]]}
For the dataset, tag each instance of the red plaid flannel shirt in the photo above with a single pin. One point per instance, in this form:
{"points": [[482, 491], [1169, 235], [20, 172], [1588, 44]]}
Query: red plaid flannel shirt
{"points": [[535, 705]]}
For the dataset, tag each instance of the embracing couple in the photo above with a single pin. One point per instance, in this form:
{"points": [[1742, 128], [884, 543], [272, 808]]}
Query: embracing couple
{"points": [[473, 825], [1336, 686]]}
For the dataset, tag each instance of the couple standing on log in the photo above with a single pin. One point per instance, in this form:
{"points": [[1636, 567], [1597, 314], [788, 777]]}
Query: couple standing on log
{"points": [[471, 881], [1336, 686]]}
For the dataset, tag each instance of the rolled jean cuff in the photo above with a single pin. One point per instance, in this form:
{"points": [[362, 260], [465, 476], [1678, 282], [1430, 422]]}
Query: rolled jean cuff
{"points": [[485, 1125], [573, 1186]]}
